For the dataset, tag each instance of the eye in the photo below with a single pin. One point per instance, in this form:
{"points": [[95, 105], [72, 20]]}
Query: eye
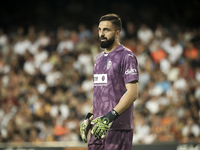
{"points": [[106, 29]]}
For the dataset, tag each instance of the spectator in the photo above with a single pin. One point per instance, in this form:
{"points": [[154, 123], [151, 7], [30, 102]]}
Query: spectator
{"points": [[21, 46], [46, 67], [43, 39], [66, 45], [40, 57], [141, 128], [190, 129], [130, 31], [29, 66], [190, 52], [84, 33], [173, 48], [3, 41], [145, 34]]}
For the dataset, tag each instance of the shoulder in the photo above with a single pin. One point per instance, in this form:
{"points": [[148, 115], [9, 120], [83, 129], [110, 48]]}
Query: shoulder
{"points": [[99, 56], [127, 53]]}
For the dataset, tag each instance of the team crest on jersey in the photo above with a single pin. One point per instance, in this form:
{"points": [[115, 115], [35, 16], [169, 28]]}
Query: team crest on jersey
{"points": [[109, 64]]}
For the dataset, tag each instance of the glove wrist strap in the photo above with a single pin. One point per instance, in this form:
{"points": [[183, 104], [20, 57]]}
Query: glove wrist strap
{"points": [[112, 115], [114, 112], [88, 115]]}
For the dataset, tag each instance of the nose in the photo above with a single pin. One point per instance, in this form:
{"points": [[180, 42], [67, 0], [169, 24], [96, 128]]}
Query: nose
{"points": [[101, 33]]}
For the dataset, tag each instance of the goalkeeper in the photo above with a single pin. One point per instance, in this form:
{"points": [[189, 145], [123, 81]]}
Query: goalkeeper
{"points": [[116, 79]]}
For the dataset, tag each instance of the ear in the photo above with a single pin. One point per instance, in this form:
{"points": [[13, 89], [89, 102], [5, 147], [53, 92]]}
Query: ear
{"points": [[117, 33]]}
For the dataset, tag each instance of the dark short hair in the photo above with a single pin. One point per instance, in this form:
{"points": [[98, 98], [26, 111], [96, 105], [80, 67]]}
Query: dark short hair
{"points": [[114, 19]]}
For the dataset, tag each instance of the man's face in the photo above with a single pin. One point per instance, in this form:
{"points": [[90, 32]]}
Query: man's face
{"points": [[106, 34]]}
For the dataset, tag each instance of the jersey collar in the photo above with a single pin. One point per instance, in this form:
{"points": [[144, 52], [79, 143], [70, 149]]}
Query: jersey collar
{"points": [[116, 49]]}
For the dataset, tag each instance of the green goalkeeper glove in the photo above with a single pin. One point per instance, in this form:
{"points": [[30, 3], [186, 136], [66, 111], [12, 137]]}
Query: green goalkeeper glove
{"points": [[103, 124], [86, 126]]}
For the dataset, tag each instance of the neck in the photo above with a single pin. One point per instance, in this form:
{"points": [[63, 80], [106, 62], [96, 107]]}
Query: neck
{"points": [[111, 48]]}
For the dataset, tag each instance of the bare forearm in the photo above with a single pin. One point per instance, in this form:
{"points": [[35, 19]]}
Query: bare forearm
{"points": [[127, 100], [91, 110]]}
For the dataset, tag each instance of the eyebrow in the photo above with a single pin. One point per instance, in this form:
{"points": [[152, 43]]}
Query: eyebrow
{"points": [[105, 28]]}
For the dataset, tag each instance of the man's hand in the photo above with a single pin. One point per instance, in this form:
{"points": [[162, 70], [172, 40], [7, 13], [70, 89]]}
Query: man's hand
{"points": [[86, 126], [103, 124]]}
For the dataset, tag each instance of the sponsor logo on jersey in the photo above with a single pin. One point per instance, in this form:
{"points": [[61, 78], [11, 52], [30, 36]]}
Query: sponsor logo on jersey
{"points": [[100, 80], [109, 64], [129, 71]]}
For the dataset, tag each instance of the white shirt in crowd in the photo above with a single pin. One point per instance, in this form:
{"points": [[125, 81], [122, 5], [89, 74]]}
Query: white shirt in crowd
{"points": [[145, 35], [174, 52], [40, 57], [65, 45], [20, 47], [63, 109]]}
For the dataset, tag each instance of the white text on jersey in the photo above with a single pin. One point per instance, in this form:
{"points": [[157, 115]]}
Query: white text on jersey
{"points": [[133, 71]]}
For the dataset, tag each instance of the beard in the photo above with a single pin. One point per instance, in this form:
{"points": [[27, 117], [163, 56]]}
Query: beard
{"points": [[107, 43]]}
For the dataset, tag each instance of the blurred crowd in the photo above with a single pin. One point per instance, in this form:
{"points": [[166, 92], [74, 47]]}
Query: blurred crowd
{"points": [[47, 83]]}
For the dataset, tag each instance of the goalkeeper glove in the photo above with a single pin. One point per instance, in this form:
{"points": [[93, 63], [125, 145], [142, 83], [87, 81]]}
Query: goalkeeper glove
{"points": [[103, 124], [86, 126]]}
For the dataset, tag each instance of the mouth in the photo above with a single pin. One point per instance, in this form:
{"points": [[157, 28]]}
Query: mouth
{"points": [[103, 39]]}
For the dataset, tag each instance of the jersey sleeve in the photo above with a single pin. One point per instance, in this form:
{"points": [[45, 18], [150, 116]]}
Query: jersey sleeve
{"points": [[129, 67]]}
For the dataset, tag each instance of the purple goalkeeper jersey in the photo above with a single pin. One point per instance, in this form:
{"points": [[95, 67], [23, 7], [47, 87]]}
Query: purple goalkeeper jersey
{"points": [[112, 72]]}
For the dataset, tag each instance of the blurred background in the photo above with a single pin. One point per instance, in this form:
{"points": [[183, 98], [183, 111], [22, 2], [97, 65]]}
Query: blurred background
{"points": [[47, 52]]}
